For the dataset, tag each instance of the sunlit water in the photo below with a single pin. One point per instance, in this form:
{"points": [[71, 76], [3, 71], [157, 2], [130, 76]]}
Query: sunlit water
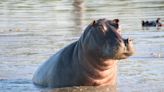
{"points": [[32, 30]]}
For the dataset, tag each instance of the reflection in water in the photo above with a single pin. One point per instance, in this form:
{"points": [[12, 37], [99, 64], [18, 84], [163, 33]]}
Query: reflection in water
{"points": [[78, 10], [151, 28]]}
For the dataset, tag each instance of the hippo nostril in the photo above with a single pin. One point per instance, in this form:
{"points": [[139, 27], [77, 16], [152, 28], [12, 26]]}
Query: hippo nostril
{"points": [[126, 41]]}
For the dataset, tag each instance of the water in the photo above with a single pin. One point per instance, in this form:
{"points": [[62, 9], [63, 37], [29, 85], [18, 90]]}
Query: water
{"points": [[32, 30]]}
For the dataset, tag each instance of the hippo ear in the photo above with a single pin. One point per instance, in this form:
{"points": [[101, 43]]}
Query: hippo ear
{"points": [[116, 21], [94, 22]]}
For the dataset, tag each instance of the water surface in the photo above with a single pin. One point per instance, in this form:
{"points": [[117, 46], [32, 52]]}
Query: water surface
{"points": [[33, 30]]}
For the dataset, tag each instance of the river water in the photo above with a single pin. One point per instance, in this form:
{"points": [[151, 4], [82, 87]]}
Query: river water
{"points": [[33, 30]]}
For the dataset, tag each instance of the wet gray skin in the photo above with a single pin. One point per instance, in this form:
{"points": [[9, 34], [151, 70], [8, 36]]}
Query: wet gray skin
{"points": [[107, 42], [90, 61]]}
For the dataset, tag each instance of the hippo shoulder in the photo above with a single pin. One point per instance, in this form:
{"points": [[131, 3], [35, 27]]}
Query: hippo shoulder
{"points": [[44, 76]]}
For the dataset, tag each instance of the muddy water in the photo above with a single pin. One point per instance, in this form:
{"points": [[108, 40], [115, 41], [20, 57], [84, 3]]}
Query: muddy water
{"points": [[33, 30]]}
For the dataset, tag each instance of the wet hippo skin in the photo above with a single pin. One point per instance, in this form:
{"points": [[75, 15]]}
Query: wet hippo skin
{"points": [[90, 61]]}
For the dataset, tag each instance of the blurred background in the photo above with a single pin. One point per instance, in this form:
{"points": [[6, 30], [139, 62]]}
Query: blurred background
{"points": [[33, 30]]}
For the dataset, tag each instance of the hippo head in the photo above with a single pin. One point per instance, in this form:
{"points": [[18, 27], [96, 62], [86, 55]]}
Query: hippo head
{"points": [[102, 39]]}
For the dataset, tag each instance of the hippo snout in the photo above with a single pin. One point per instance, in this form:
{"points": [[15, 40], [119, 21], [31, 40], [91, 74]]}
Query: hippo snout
{"points": [[128, 49]]}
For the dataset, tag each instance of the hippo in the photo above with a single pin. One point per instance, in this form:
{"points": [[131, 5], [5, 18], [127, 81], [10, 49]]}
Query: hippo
{"points": [[156, 23], [89, 61]]}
